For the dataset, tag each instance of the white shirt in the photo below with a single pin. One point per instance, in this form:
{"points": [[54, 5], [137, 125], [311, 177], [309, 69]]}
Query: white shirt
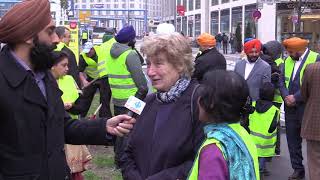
{"points": [[249, 67], [298, 63]]}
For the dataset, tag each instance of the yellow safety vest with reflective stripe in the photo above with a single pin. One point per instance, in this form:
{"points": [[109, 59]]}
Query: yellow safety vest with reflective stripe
{"points": [[92, 66], [60, 46], [277, 95], [103, 52], [246, 139], [259, 124], [120, 80], [289, 66], [84, 35], [70, 91]]}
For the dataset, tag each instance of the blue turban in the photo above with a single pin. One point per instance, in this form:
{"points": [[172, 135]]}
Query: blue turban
{"points": [[248, 39], [126, 34]]}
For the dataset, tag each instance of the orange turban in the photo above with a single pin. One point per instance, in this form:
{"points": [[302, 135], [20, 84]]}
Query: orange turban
{"points": [[206, 39], [295, 44], [255, 43], [24, 20]]}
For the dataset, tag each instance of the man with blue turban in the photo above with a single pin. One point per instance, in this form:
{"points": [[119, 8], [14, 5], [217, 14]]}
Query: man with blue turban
{"points": [[125, 76]]}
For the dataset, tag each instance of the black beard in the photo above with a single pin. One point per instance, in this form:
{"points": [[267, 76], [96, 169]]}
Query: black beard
{"points": [[252, 59], [295, 58], [41, 56]]}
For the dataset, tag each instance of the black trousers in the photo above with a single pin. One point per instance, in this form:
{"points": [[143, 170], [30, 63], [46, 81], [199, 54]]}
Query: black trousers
{"points": [[121, 142], [278, 144], [105, 96], [293, 121], [225, 48]]}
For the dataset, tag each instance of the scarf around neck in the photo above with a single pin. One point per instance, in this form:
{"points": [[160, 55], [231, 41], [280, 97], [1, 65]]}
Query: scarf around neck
{"points": [[239, 160], [175, 91]]}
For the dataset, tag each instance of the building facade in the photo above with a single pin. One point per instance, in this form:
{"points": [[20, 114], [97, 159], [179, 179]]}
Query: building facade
{"points": [[226, 16], [117, 13], [5, 5]]}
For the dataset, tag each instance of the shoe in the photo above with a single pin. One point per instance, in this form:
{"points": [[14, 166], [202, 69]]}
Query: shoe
{"points": [[297, 175]]}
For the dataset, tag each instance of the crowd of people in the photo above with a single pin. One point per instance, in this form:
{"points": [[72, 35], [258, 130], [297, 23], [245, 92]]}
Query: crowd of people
{"points": [[200, 121]]}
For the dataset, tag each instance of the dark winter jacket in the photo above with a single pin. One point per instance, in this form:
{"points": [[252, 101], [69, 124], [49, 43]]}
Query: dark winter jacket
{"points": [[34, 129], [164, 141], [208, 60]]}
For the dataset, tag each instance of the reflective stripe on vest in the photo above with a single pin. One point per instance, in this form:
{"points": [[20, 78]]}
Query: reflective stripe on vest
{"points": [[103, 52], [259, 124], [92, 68], [84, 35], [289, 66], [70, 91], [120, 80], [246, 139], [277, 96]]}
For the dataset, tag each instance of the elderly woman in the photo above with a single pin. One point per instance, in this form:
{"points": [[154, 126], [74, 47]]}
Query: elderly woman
{"points": [[228, 151], [167, 135]]}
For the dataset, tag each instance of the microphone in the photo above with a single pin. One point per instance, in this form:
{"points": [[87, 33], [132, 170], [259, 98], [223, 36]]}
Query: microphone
{"points": [[135, 105]]}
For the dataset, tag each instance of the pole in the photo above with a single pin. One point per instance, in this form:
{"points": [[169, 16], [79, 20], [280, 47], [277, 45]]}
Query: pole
{"points": [[175, 14]]}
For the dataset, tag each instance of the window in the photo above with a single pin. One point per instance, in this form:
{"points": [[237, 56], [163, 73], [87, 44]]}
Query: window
{"points": [[198, 4], [185, 4], [108, 6], [214, 2], [83, 6], [214, 22], [250, 26], [225, 21], [116, 6], [124, 6], [84, 1], [197, 25], [184, 25], [91, 1], [190, 26], [236, 19], [191, 5], [131, 5], [178, 2], [225, 1]]}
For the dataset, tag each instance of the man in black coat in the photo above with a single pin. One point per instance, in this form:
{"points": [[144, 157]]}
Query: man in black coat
{"points": [[33, 123], [209, 58]]}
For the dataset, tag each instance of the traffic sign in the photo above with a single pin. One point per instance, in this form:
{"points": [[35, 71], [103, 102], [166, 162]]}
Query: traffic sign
{"points": [[256, 14]]}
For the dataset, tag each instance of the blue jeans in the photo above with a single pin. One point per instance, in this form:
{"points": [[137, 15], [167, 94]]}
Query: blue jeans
{"points": [[262, 163]]}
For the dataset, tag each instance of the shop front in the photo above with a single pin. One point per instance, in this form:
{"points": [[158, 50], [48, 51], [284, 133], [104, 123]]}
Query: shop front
{"points": [[310, 22]]}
